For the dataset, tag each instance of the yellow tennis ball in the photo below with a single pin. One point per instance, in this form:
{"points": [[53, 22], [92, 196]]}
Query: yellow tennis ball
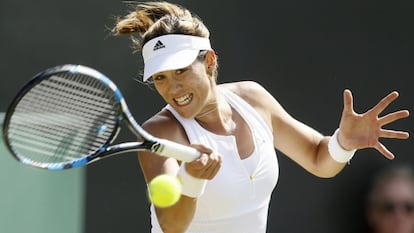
{"points": [[164, 190]]}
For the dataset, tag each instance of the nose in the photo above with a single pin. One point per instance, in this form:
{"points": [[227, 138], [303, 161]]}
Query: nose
{"points": [[175, 84]]}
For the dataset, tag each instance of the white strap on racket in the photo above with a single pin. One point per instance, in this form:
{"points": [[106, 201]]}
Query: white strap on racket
{"points": [[178, 151]]}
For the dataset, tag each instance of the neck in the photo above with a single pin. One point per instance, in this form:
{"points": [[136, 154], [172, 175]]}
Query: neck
{"points": [[208, 112], [218, 119]]}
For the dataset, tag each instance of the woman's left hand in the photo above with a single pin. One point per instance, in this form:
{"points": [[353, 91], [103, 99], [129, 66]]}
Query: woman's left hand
{"points": [[357, 131]]}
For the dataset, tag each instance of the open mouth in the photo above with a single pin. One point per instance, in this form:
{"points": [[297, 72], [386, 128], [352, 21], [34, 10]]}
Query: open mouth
{"points": [[184, 99]]}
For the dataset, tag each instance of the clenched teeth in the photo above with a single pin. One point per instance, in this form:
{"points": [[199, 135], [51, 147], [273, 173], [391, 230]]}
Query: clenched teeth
{"points": [[184, 99]]}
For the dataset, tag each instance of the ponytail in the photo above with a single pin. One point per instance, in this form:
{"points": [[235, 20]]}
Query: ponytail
{"points": [[152, 19]]}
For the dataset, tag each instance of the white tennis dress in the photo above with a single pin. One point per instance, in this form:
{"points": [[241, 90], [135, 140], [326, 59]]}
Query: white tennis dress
{"points": [[237, 199]]}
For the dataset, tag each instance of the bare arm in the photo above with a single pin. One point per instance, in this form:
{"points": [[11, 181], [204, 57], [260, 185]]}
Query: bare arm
{"points": [[301, 143], [308, 147], [175, 219]]}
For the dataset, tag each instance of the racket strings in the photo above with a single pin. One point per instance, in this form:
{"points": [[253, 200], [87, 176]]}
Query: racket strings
{"points": [[63, 118]]}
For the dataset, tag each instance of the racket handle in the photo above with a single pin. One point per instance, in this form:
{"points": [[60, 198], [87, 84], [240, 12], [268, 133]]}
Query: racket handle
{"points": [[175, 150]]}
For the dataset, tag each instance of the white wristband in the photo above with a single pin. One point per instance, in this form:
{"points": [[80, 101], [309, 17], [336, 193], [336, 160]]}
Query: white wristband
{"points": [[191, 186], [337, 152]]}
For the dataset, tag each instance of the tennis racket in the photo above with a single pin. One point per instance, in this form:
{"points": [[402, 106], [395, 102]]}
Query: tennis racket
{"points": [[69, 116]]}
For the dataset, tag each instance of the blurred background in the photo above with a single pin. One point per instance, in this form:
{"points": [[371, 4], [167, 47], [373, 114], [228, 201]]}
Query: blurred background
{"points": [[304, 52]]}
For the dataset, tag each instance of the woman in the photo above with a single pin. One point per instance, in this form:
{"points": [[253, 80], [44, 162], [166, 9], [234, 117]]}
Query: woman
{"points": [[390, 201], [235, 126]]}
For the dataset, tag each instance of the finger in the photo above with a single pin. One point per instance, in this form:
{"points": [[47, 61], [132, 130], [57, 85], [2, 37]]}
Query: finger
{"points": [[385, 102], [195, 167], [211, 171], [202, 148], [348, 101], [386, 133], [384, 151], [216, 169], [391, 117], [212, 167], [202, 160]]}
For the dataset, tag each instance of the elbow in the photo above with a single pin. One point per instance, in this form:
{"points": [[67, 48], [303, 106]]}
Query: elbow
{"points": [[171, 228], [169, 225], [177, 218], [172, 220]]}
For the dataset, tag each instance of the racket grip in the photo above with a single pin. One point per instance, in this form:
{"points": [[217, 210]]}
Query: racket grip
{"points": [[175, 150]]}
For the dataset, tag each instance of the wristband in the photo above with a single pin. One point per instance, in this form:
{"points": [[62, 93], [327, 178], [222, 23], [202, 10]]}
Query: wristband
{"points": [[337, 152], [191, 186]]}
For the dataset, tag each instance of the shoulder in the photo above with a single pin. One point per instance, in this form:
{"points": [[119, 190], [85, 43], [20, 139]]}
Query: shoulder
{"points": [[261, 100], [252, 92], [164, 125], [257, 97]]}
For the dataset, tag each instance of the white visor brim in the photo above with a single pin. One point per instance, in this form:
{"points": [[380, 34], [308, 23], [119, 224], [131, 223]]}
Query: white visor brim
{"points": [[171, 52]]}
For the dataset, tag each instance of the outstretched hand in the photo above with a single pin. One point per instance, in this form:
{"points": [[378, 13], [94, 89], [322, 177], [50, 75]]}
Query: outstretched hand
{"points": [[357, 131]]}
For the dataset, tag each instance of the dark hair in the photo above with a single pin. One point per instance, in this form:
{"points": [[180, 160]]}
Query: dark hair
{"points": [[152, 19], [398, 171], [148, 20]]}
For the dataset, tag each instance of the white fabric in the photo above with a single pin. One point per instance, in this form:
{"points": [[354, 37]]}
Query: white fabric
{"points": [[171, 52], [236, 200], [191, 186], [337, 152]]}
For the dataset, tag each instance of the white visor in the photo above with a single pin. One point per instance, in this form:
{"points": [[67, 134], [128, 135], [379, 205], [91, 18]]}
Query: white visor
{"points": [[171, 52]]}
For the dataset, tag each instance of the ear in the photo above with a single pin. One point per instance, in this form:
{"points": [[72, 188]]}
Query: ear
{"points": [[211, 59]]}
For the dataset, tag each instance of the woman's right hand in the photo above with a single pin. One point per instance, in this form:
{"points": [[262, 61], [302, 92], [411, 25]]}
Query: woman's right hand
{"points": [[206, 166]]}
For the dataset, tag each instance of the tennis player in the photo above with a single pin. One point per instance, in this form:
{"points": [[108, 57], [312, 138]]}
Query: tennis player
{"points": [[236, 126]]}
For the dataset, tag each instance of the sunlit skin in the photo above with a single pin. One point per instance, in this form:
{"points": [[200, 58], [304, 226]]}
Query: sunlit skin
{"points": [[398, 191], [192, 92], [188, 90], [363, 130]]}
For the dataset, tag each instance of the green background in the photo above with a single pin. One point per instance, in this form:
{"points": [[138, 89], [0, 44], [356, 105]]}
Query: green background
{"points": [[39, 201]]}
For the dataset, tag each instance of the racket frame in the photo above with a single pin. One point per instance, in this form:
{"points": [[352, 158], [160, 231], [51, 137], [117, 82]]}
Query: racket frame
{"points": [[150, 143]]}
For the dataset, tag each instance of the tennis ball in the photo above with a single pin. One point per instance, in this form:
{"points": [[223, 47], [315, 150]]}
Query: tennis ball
{"points": [[164, 190]]}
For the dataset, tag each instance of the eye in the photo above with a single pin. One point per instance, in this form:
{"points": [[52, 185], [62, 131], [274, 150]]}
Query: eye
{"points": [[180, 71], [158, 77]]}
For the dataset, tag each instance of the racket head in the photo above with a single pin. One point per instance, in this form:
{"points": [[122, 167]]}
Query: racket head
{"points": [[64, 117]]}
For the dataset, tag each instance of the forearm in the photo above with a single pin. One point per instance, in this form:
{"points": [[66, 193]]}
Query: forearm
{"points": [[324, 165], [177, 218]]}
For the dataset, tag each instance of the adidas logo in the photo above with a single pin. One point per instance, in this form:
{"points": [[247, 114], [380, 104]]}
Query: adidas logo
{"points": [[158, 45]]}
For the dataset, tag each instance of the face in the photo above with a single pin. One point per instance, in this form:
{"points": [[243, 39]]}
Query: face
{"points": [[188, 90], [392, 210]]}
